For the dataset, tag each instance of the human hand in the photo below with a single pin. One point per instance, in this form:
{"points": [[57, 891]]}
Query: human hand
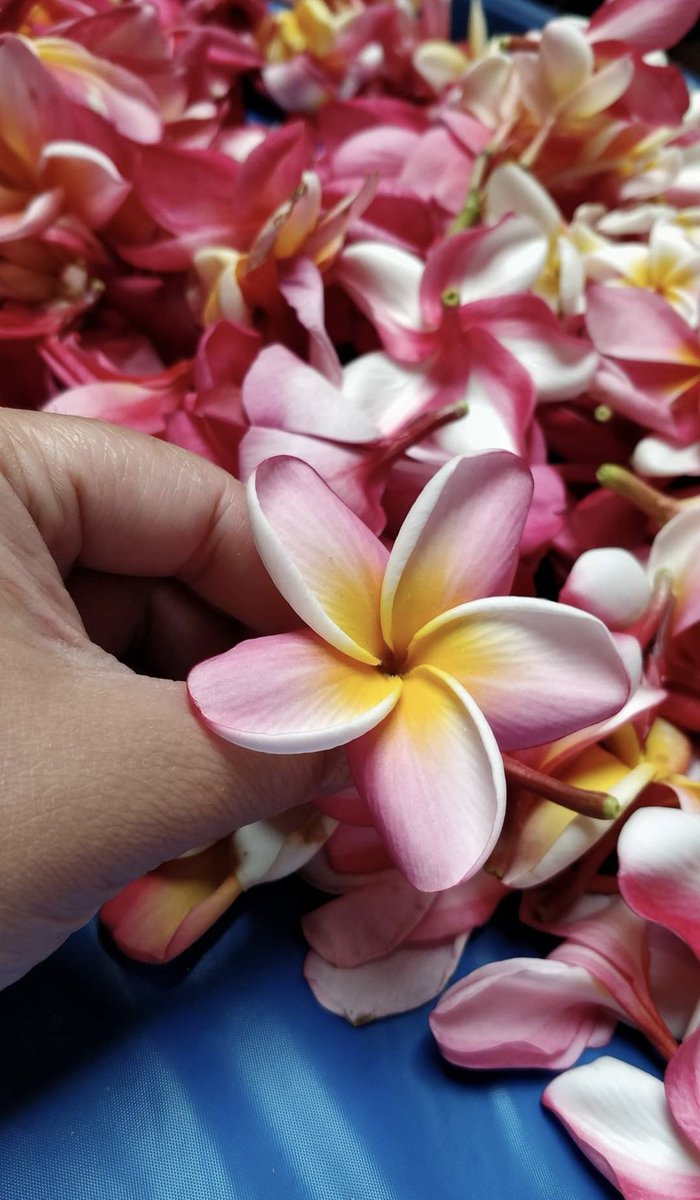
{"points": [[111, 544]]}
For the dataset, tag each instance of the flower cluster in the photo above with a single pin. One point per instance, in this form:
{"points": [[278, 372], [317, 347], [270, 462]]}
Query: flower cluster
{"points": [[438, 303]]}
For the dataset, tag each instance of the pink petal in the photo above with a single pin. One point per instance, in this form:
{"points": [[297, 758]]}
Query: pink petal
{"points": [[560, 366], [635, 324], [459, 909], [610, 583], [485, 498], [127, 404], [645, 24], [282, 392], [610, 941], [381, 150], [676, 547], [122, 97], [659, 851], [619, 1118], [90, 181], [524, 1012], [346, 806], [157, 917], [682, 1084], [518, 658], [384, 283], [403, 980], [483, 263], [366, 923], [324, 561], [433, 778], [500, 397], [344, 467], [356, 852], [674, 979], [39, 213], [290, 693], [301, 284]]}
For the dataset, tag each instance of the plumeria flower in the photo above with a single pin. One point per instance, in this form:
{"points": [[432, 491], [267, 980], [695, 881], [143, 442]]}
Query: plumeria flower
{"points": [[668, 264], [466, 311], [410, 659], [613, 760]]}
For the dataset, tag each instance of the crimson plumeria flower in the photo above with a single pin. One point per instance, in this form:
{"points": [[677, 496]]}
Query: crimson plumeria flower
{"points": [[412, 659]]}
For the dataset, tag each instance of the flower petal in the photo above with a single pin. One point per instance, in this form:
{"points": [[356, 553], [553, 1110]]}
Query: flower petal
{"points": [[644, 24], [512, 189], [482, 263], [677, 548], [366, 923], [561, 366], [682, 1083], [290, 693], [157, 917], [610, 583], [639, 325], [619, 1118], [459, 542], [282, 392], [324, 561], [536, 669], [401, 981], [659, 850], [433, 778], [523, 1012], [384, 282], [459, 909]]}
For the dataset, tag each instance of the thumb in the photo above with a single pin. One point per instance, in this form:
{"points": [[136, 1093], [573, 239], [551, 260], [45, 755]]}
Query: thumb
{"points": [[116, 776]]}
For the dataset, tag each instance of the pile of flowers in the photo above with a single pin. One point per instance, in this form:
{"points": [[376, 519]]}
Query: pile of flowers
{"points": [[437, 302]]}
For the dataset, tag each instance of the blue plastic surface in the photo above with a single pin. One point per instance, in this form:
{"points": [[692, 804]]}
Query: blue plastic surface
{"points": [[220, 1078]]}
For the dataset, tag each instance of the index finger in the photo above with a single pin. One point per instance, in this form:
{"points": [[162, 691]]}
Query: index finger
{"points": [[113, 500]]}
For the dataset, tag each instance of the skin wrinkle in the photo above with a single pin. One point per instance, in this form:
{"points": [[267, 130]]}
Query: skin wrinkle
{"points": [[104, 773]]}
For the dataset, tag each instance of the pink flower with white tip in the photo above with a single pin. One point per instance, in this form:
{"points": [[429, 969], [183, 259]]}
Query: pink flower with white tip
{"points": [[467, 313], [412, 659]]}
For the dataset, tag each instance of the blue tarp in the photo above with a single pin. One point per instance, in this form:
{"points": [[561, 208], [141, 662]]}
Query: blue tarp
{"points": [[219, 1078]]}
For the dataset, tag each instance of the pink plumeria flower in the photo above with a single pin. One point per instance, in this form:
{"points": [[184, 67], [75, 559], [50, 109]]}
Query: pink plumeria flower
{"points": [[620, 1118], [466, 310], [409, 657]]}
